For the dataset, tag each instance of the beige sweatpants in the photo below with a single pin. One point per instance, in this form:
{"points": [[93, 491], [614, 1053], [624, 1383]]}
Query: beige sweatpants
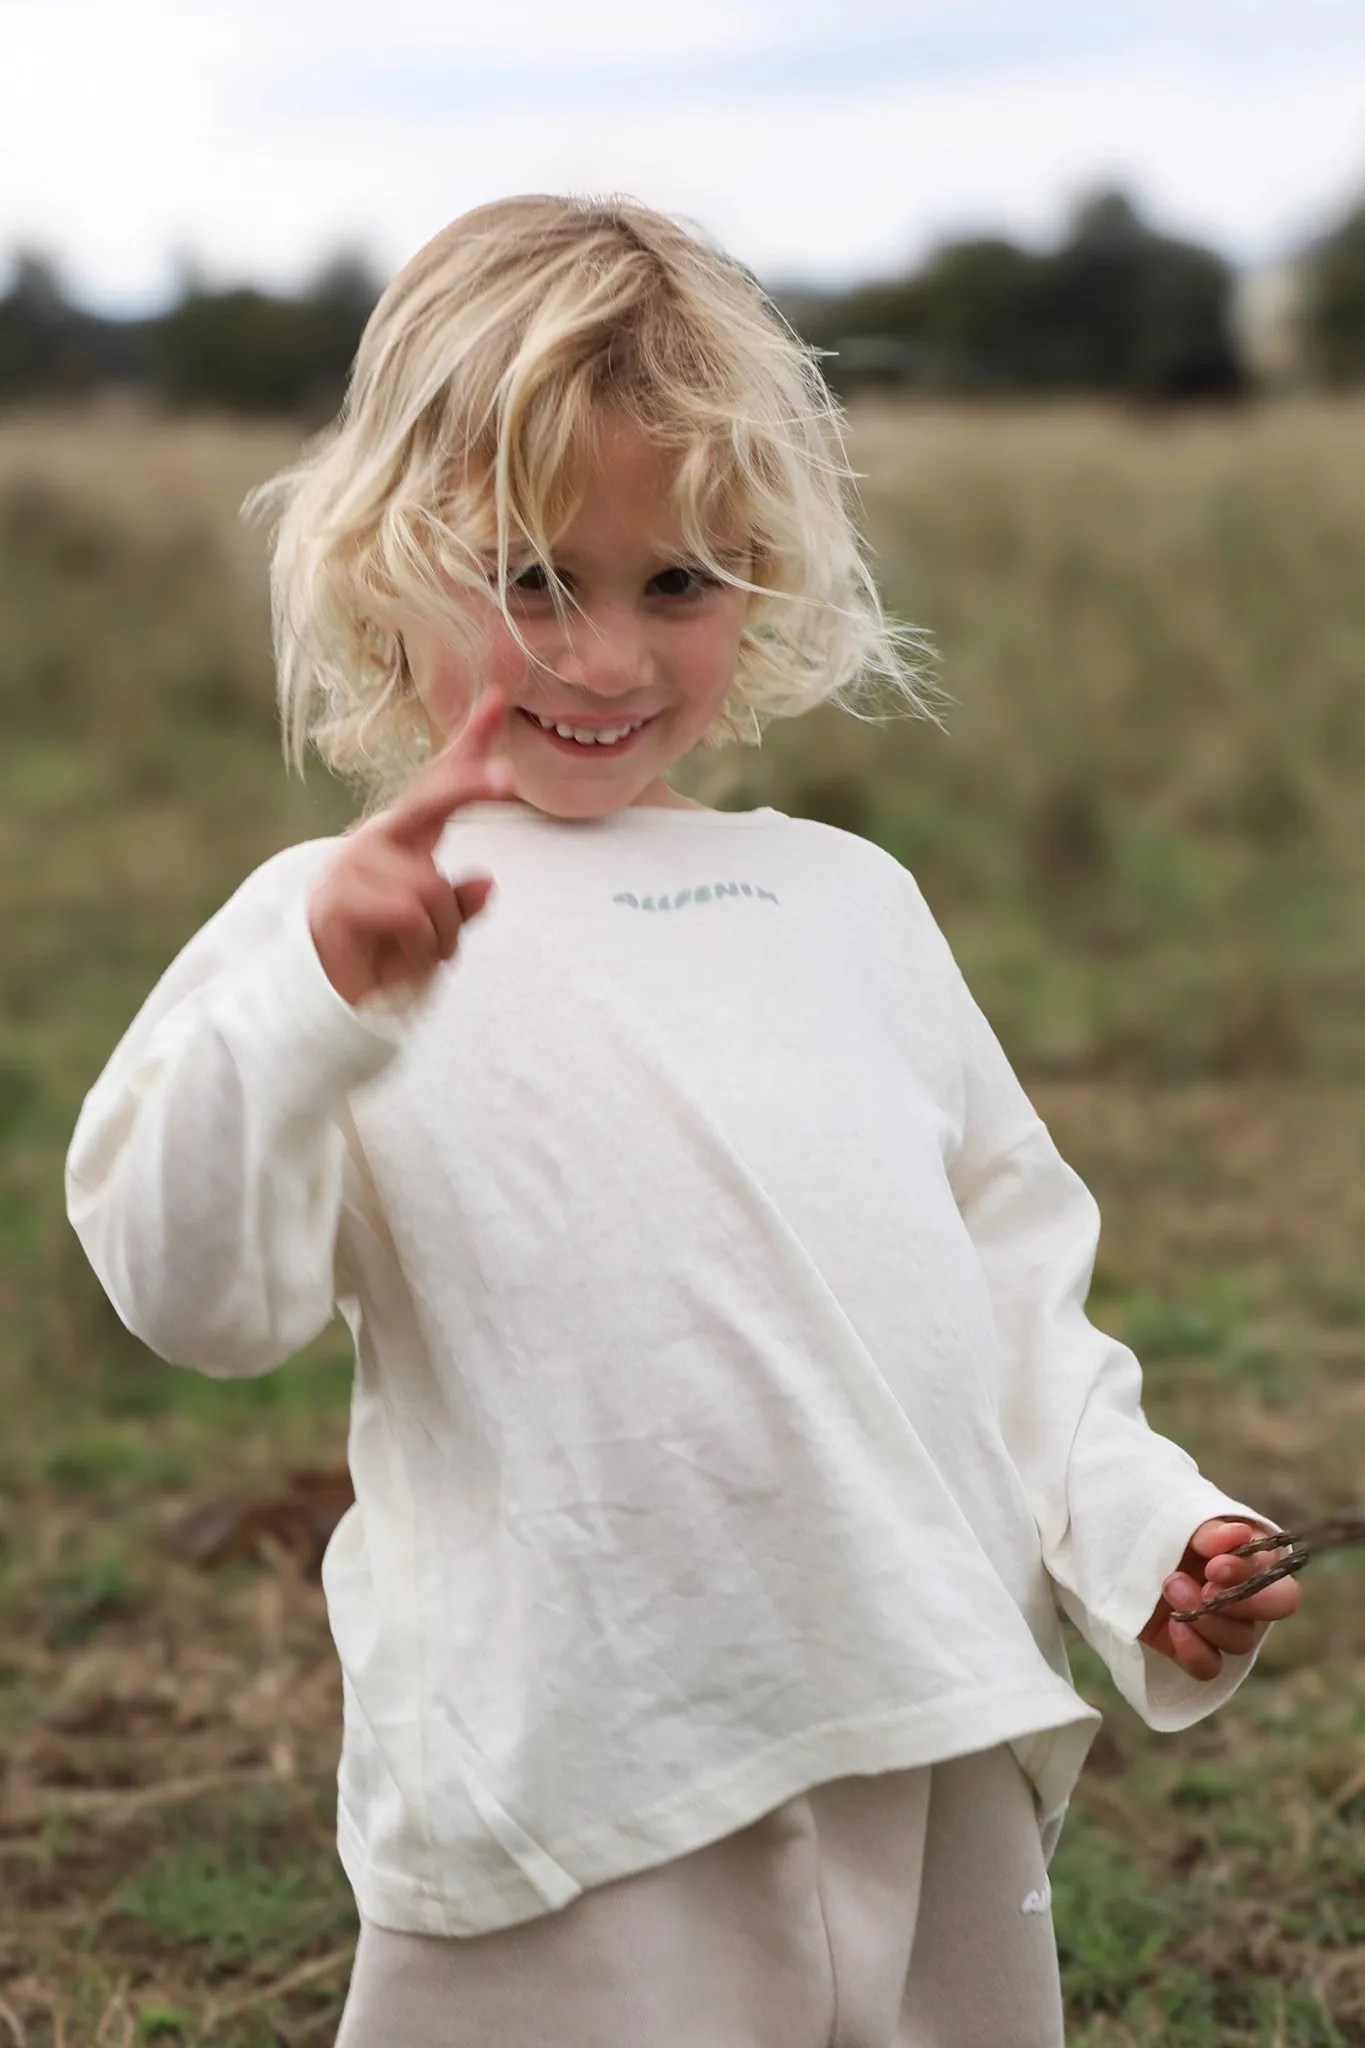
{"points": [[908, 1910]]}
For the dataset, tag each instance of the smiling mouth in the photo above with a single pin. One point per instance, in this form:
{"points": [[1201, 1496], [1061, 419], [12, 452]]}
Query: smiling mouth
{"points": [[585, 739]]}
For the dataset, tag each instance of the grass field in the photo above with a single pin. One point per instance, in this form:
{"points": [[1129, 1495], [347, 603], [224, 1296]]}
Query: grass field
{"points": [[1143, 831]]}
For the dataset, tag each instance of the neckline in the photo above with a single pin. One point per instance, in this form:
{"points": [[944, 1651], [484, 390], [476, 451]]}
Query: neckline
{"points": [[634, 817]]}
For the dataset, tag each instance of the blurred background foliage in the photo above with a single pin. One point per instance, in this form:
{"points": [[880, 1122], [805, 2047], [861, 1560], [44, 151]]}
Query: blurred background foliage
{"points": [[1116, 309]]}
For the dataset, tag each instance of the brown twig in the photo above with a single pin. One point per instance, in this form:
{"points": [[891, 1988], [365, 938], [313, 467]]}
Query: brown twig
{"points": [[115, 1805], [320, 1966], [1299, 1547]]}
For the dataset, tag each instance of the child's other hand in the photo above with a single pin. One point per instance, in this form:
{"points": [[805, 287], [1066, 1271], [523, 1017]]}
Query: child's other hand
{"points": [[1198, 1646], [383, 913]]}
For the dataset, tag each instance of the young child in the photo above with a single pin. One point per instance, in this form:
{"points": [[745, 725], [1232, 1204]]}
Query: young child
{"points": [[727, 1429]]}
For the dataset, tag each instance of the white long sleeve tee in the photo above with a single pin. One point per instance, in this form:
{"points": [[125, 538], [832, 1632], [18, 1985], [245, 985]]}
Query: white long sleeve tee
{"points": [[726, 1418]]}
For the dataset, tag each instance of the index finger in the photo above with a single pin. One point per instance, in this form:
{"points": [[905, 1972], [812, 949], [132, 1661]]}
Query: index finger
{"points": [[463, 772], [1215, 1538]]}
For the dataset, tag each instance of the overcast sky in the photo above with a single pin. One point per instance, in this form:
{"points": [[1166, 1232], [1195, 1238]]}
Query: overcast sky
{"points": [[821, 140]]}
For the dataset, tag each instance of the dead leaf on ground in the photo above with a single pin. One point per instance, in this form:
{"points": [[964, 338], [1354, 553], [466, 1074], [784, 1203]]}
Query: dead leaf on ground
{"points": [[300, 1519]]}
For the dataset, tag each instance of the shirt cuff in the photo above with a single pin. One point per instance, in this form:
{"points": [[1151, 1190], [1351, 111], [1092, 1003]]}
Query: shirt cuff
{"points": [[304, 1040], [1166, 1697]]}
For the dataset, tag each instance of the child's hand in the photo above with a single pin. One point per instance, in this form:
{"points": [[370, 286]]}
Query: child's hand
{"points": [[383, 913], [1198, 1646]]}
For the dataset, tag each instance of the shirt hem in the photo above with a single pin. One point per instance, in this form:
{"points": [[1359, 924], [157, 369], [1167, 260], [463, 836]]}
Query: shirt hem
{"points": [[868, 1746]]}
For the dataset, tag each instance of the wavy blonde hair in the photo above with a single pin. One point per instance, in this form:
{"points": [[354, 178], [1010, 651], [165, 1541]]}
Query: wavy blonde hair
{"points": [[474, 394]]}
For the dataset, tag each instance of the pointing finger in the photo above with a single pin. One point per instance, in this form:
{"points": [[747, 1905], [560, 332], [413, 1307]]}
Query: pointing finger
{"points": [[483, 722], [463, 772]]}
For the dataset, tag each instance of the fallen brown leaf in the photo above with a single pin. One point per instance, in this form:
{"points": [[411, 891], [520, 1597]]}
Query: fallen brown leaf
{"points": [[300, 1519]]}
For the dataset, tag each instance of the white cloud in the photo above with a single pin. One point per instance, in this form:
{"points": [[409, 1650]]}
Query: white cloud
{"points": [[815, 140]]}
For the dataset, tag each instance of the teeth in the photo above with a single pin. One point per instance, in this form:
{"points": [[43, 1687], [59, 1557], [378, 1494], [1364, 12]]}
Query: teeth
{"points": [[587, 736]]}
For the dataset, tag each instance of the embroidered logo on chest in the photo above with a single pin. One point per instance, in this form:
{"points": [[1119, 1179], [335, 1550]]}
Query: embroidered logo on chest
{"points": [[712, 892]]}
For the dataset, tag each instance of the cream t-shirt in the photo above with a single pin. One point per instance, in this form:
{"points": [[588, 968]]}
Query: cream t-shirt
{"points": [[726, 1418]]}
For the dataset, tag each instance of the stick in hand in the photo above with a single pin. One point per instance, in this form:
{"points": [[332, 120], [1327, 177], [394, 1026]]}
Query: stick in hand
{"points": [[383, 914], [1299, 1547]]}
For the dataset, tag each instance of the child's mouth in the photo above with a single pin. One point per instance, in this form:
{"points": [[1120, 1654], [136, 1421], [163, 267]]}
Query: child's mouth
{"points": [[585, 739]]}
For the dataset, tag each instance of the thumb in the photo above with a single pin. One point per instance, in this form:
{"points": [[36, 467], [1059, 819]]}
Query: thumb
{"points": [[472, 895]]}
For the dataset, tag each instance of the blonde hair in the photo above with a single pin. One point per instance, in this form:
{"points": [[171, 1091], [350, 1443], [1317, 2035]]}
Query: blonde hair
{"points": [[475, 389]]}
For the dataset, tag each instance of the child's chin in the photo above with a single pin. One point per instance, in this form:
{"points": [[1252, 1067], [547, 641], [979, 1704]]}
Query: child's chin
{"points": [[562, 800]]}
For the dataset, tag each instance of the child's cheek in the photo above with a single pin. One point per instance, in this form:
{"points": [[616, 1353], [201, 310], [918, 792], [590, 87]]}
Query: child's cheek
{"points": [[507, 661]]}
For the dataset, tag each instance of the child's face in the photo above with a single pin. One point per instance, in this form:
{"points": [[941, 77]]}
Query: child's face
{"points": [[646, 644]]}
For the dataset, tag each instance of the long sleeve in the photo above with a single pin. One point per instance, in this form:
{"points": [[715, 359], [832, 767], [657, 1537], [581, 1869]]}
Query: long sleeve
{"points": [[205, 1174], [1115, 1503]]}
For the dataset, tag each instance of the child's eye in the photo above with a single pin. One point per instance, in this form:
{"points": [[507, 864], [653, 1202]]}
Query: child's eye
{"points": [[532, 581], [684, 581], [538, 579]]}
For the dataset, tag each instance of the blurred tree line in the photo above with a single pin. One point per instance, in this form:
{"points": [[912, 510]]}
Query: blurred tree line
{"points": [[1116, 309], [241, 350]]}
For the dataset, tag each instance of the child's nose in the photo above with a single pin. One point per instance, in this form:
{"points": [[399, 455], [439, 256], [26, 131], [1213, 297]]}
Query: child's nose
{"points": [[608, 653]]}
